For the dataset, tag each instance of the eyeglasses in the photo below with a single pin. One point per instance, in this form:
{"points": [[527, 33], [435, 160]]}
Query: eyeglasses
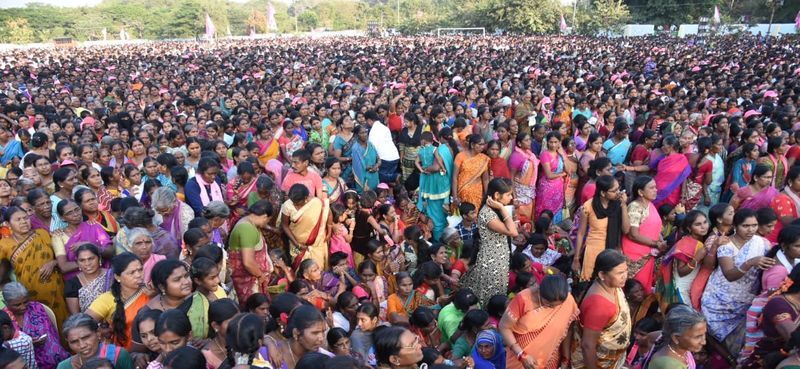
{"points": [[413, 344]]}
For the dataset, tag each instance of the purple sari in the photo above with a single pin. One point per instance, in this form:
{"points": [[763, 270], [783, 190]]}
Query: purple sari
{"points": [[86, 233], [172, 223], [164, 243], [672, 171], [328, 283], [37, 323], [762, 199]]}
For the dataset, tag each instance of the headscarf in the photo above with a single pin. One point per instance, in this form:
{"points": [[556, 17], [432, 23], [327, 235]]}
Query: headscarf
{"points": [[498, 359]]}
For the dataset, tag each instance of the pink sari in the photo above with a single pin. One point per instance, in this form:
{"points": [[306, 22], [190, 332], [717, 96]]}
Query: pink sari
{"points": [[550, 192], [641, 263], [762, 199]]}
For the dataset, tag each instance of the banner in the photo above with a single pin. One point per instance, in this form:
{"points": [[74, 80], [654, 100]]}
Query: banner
{"points": [[272, 25], [210, 29]]}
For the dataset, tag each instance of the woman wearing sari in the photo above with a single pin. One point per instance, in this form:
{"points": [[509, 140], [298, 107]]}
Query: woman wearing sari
{"points": [[787, 202], [780, 315], [758, 331], [92, 281], [684, 272], [570, 155], [306, 221], [435, 164], [401, 304], [758, 193], [594, 150], [239, 189], [617, 146], [77, 232], [471, 172], [175, 214], [776, 159], [65, 178], [742, 170], [550, 191], [173, 283], [268, 147], [643, 241], [342, 144], [672, 170], [365, 161], [535, 325], [248, 254], [31, 255], [120, 305], [714, 188], [729, 291], [524, 166], [92, 213], [42, 209], [332, 181], [603, 333], [409, 143], [31, 317]]}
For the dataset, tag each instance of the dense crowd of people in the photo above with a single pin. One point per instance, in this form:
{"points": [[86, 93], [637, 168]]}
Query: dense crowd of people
{"points": [[460, 202]]}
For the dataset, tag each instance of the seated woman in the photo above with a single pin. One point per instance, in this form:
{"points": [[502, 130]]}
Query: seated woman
{"points": [[172, 281], [322, 281], [361, 339], [80, 332], [489, 351], [220, 314], [402, 303], [33, 318], [128, 287], [372, 287]]}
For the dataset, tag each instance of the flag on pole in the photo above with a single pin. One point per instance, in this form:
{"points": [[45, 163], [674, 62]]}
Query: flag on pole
{"points": [[272, 25], [105, 34], [563, 25], [210, 29], [716, 15], [122, 34], [797, 21]]}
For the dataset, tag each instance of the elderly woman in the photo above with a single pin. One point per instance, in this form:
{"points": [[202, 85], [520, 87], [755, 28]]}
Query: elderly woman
{"points": [[31, 255], [36, 320], [42, 209], [164, 243], [217, 213], [176, 214], [80, 331], [684, 333]]}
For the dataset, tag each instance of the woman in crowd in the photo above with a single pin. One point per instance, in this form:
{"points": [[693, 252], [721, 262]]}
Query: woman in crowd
{"points": [[77, 232], [729, 291], [65, 178], [536, 323], [671, 172], [618, 144], [436, 168], [643, 240], [248, 253], [601, 339], [42, 209], [31, 255], [333, 183], [175, 214], [239, 189], [489, 274], [81, 334], [603, 222], [34, 319], [524, 166], [684, 333], [306, 222], [489, 351], [776, 159], [220, 314], [787, 202], [365, 161], [87, 200], [172, 281], [684, 272], [758, 193], [173, 330], [550, 189], [162, 242], [741, 172], [203, 187], [127, 296], [342, 146], [397, 348], [90, 282], [594, 150], [471, 173]]}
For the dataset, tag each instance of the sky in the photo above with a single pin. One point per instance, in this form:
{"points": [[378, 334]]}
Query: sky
{"points": [[68, 3]]}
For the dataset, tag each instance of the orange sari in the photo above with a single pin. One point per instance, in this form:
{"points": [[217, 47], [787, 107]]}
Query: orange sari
{"points": [[470, 171], [309, 225], [539, 330]]}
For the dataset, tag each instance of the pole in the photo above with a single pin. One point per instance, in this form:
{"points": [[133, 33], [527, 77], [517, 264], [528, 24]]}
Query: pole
{"points": [[771, 15], [398, 14], [574, 11]]}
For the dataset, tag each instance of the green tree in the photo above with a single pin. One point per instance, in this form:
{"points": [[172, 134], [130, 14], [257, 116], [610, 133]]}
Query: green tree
{"points": [[17, 30], [528, 16], [605, 16], [186, 21], [308, 20]]}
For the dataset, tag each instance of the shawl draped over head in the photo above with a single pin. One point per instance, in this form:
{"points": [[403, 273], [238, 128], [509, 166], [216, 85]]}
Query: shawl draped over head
{"points": [[498, 359], [614, 215]]}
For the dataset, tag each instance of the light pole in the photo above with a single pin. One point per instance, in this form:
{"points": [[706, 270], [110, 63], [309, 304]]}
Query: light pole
{"points": [[772, 4], [398, 14]]}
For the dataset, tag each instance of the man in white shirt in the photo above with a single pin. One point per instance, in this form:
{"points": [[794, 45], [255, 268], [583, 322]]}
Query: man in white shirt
{"points": [[381, 138]]}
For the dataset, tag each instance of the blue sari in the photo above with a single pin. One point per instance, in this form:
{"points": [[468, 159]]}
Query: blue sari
{"points": [[363, 158], [13, 149], [346, 148], [434, 188], [617, 152]]}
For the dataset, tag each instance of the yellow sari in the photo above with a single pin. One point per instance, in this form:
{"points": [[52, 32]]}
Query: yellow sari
{"points": [[27, 258], [268, 151], [309, 226], [613, 341]]}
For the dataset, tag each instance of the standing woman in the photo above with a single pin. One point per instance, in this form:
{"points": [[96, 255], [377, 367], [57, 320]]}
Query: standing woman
{"points": [[697, 186], [92, 280], [42, 209], [77, 232], [239, 189], [742, 170], [248, 254], [730, 290], [672, 170], [65, 178], [34, 262], [714, 189], [684, 272], [524, 166], [594, 150], [305, 332], [536, 323], [92, 214], [643, 241], [434, 181], [91, 177], [409, 143], [342, 144], [776, 159], [570, 155], [758, 193], [332, 182], [471, 172], [603, 222], [397, 348], [489, 273], [550, 190], [365, 161], [306, 221], [268, 147], [617, 145], [203, 187], [603, 334]]}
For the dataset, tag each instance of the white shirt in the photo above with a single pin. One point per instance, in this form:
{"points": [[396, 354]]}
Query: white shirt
{"points": [[381, 138]]}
